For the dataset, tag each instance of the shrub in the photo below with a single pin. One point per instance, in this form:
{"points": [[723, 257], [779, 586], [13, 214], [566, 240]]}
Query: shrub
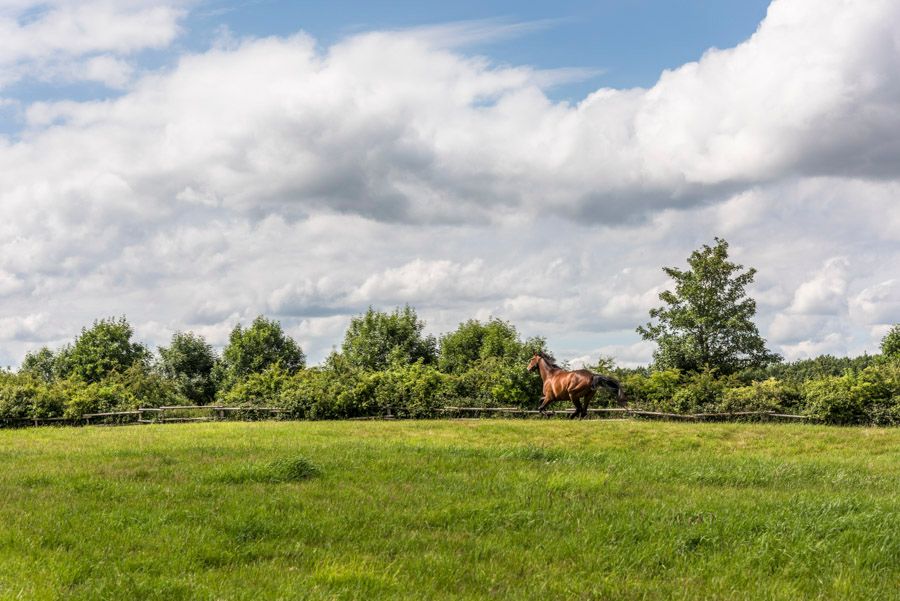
{"points": [[870, 396], [16, 396], [98, 397], [414, 390], [653, 390], [768, 395], [261, 389], [494, 381], [701, 392]]}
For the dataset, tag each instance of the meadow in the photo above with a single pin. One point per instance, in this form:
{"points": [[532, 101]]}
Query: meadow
{"points": [[440, 509]]}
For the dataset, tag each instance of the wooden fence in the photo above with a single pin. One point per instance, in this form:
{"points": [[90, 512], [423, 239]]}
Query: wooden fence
{"points": [[624, 412], [205, 413]]}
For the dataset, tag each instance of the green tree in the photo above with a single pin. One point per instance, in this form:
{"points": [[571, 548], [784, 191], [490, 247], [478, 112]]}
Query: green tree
{"points": [[253, 350], [104, 348], [890, 344], [707, 321], [188, 361], [474, 340], [375, 340], [41, 364]]}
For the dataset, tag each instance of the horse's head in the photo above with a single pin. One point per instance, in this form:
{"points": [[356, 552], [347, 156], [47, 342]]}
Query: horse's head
{"points": [[532, 365]]}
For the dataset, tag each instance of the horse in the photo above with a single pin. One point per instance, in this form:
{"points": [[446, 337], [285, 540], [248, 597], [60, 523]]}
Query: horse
{"points": [[578, 386]]}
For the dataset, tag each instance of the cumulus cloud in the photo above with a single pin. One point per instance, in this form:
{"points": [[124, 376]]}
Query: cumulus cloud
{"points": [[76, 39], [824, 293], [272, 175]]}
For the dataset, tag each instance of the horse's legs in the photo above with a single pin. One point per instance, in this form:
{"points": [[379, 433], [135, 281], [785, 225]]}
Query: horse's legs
{"points": [[544, 403], [587, 401], [578, 409]]}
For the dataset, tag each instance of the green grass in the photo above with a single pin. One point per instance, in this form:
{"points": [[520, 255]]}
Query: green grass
{"points": [[441, 509]]}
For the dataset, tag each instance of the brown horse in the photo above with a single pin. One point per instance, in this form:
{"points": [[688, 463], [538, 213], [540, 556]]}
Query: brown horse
{"points": [[578, 386]]}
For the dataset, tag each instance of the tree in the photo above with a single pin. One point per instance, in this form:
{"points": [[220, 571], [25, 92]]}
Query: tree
{"points": [[101, 350], [188, 361], [890, 344], [707, 321], [473, 341], [254, 349], [41, 364], [376, 339]]}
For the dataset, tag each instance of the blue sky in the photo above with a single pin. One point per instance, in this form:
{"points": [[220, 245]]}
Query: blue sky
{"points": [[192, 165], [624, 43], [630, 41]]}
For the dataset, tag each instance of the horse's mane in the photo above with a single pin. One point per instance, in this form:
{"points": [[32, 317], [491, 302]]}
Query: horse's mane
{"points": [[548, 358]]}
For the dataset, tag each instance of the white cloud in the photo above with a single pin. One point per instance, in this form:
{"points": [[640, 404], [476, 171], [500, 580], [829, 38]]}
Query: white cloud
{"points": [[825, 293], [70, 40], [877, 305], [270, 175]]}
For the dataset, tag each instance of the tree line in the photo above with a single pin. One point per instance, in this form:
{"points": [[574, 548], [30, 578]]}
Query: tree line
{"points": [[709, 358]]}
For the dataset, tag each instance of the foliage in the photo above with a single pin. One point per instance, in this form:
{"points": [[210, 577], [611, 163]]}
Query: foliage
{"points": [[797, 372], [135, 387], [480, 364], [261, 389], [255, 349], [375, 340], [321, 393], [871, 396], [188, 361], [100, 350], [890, 344], [653, 390], [473, 341], [768, 395], [41, 364], [700, 392], [706, 322], [410, 390]]}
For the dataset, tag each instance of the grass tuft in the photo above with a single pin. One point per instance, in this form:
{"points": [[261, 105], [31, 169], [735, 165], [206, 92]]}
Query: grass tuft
{"points": [[284, 469]]}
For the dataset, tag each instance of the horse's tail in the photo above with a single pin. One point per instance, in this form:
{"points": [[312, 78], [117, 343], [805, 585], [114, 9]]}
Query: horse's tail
{"points": [[599, 381]]}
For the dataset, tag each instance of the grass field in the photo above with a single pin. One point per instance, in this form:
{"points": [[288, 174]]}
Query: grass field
{"points": [[450, 509]]}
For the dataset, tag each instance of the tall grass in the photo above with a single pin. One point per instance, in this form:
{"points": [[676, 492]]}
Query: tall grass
{"points": [[439, 510]]}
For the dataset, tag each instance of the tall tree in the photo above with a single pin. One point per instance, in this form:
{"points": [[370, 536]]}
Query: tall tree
{"points": [[254, 349], [376, 339], [100, 350], [474, 340], [188, 361], [707, 321], [890, 344], [41, 364]]}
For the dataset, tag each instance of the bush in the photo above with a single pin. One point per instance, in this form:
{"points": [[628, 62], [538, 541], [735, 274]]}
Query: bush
{"points": [[98, 397], [654, 390], [16, 396], [23, 396], [768, 395], [304, 390], [415, 390], [871, 396], [701, 392], [261, 389], [496, 381]]}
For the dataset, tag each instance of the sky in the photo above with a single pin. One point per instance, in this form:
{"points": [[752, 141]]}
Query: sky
{"points": [[193, 164]]}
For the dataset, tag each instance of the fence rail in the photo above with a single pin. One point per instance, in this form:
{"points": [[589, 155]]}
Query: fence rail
{"points": [[625, 412], [170, 414]]}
